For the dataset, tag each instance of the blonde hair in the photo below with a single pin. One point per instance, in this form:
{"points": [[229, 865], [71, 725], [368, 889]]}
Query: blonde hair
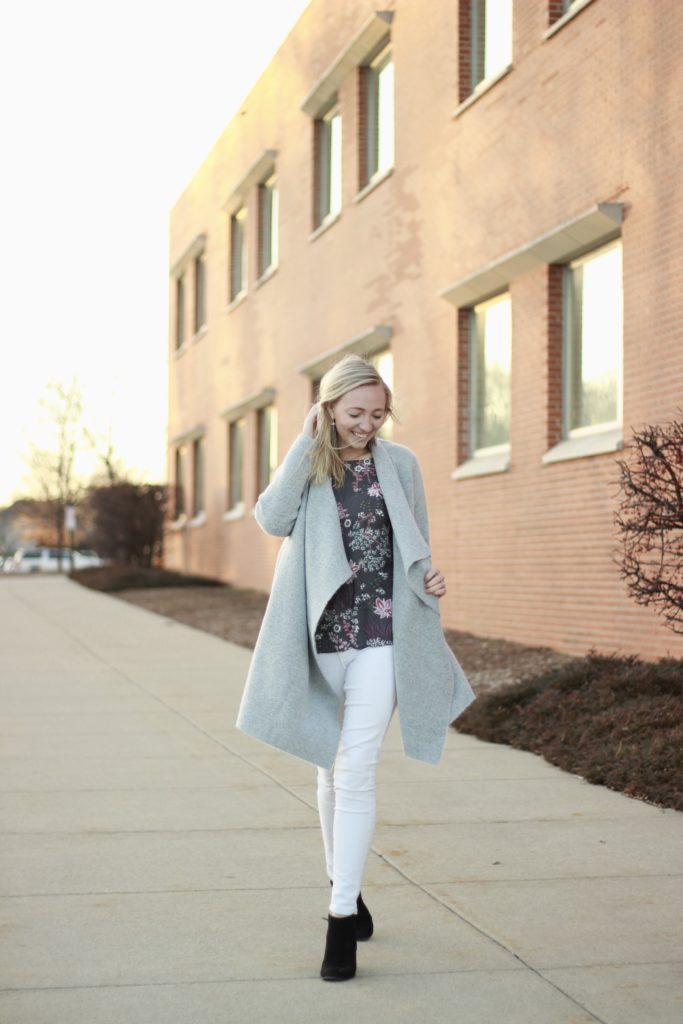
{"points": [[350, 372]]}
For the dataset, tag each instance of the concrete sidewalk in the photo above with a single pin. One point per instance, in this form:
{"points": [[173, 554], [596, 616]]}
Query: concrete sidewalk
{"points": [[160, 867]]}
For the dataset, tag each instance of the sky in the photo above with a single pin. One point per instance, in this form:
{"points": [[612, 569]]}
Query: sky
{"points": [[108, 111]]}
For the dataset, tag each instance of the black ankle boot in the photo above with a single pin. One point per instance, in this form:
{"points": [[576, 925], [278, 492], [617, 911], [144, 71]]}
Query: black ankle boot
{"points": [[364, 923], [339, 962]]}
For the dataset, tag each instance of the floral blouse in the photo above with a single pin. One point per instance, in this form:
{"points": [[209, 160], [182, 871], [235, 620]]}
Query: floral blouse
{"points": [[359, 614]]}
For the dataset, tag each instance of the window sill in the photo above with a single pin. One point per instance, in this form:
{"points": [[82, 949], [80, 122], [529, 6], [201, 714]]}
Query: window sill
{"points": [[376, 180], [266, 275], [236, 512], [237, 301], [178, 352], [199, 334], [561, 22], [599, 443], [482, 88], [198, 520], [331, 219], [178, 524], [484, 465]]}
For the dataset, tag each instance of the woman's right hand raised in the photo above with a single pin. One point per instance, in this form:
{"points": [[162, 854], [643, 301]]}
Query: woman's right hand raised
{"points": [[311, 421]]}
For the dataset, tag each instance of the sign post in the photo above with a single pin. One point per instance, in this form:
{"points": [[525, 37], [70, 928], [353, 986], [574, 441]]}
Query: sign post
{"points": [[70, 524]]}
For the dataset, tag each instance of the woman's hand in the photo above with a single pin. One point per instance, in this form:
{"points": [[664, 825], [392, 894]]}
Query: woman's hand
{"points": [[435, 583], [311, 421]]}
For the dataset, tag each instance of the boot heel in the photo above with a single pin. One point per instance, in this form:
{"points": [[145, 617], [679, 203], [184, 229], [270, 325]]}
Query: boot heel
{"points": [[364, 922]]}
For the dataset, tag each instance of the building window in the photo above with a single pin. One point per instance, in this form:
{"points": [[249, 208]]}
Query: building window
{"points": [[180, 312], [235, 462], [238, 253], [593, 339], [267, 446], [328, 165], [179, 493], [377, 116], [383, 362], [267, 225], [558, 8], [490, 362], [199, 292], [485, 41], [197, 476]]}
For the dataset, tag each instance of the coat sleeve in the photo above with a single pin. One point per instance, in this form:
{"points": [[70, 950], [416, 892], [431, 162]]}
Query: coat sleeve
{"points": [[420, 501], [278, 506]]}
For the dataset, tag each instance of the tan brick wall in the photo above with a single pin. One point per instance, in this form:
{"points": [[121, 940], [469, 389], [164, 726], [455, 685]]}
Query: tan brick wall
{"points": [[592, 114]]}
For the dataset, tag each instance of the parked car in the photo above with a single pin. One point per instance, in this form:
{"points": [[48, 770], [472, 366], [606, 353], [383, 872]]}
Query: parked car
{"points": [[44, 559], [84, 559], [27, 560]]}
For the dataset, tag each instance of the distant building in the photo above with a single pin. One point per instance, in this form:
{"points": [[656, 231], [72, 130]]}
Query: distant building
{"points": [[485, 198], [22, 524], [32, 522]]}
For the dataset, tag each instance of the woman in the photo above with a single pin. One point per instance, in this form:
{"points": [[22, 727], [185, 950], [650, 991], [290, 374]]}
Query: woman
{"points": [[352, 628]]}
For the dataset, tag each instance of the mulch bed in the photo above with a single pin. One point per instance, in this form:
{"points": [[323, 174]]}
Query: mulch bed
{"points": [[615, 721]]}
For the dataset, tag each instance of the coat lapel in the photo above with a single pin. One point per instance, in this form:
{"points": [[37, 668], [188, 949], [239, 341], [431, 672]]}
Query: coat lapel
{"points": [[327, 566], [414, 549]]}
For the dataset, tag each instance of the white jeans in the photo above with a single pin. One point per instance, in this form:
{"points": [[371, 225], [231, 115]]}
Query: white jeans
{"points": [[346, 794]]}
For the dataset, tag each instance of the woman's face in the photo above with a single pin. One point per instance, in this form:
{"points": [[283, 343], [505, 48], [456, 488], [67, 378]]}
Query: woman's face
{"points": [[358, 415]]}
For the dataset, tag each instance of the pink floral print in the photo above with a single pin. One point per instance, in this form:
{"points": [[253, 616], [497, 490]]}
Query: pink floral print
{"points": [[359, 614]]}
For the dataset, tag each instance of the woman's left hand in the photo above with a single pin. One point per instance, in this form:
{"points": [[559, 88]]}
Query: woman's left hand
{"points": [[435, 583]]}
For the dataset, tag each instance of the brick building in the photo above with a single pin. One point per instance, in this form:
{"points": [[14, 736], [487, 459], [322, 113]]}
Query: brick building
{"points": [[485, 197]]}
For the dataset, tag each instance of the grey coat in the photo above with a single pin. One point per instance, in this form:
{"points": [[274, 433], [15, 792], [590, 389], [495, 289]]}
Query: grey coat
{"points": [[287, 702]]}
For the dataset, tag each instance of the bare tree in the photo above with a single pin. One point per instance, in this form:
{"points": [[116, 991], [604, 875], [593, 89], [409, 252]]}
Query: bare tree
{"points": [[651, 521], [53, 468], [103, 445]]}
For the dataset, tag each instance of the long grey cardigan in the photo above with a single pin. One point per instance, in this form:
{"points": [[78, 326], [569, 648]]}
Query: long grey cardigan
{"points": [[287, 702]]}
